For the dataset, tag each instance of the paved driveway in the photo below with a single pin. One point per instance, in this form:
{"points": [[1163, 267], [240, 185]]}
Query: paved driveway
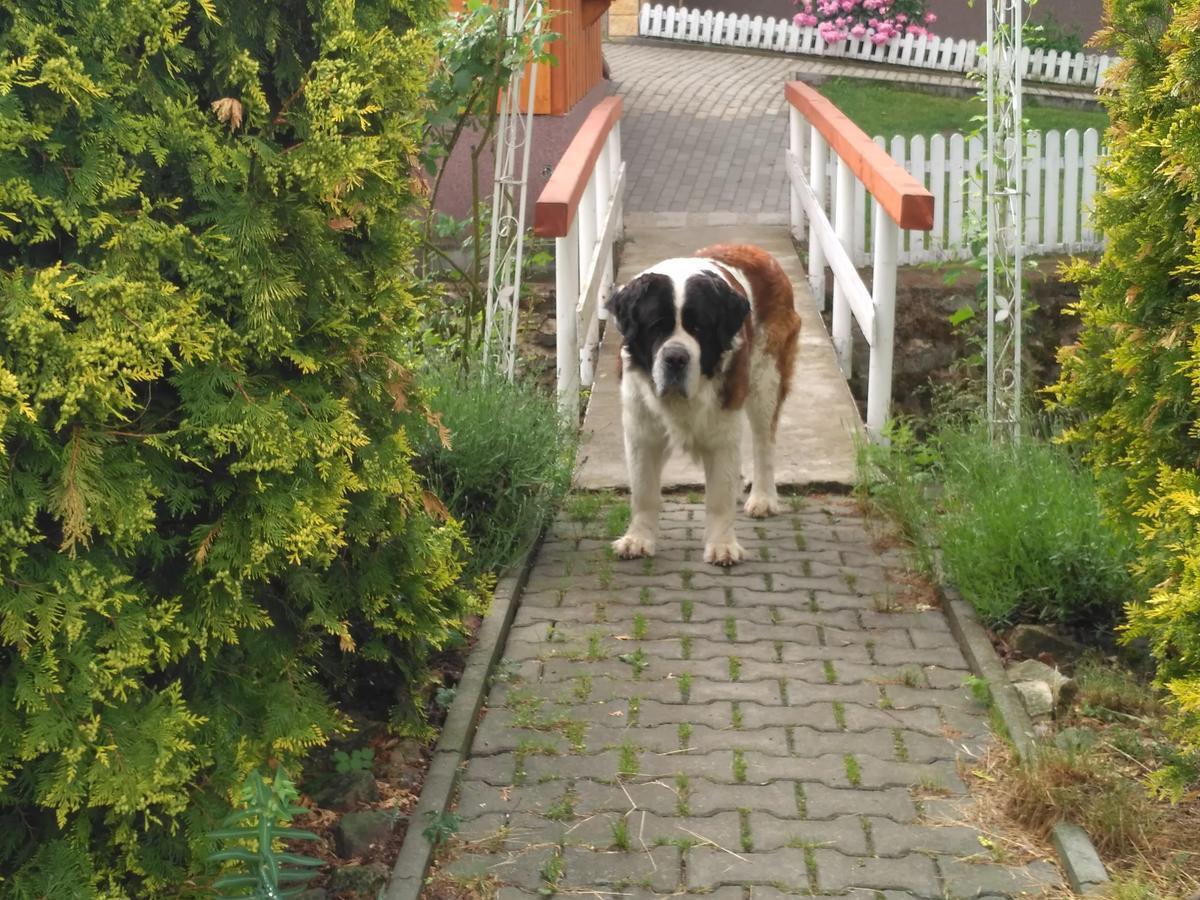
{"points": [[703, 131]]}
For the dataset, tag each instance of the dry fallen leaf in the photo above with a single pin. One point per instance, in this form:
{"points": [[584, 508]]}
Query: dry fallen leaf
{"points": [[229, 111]]}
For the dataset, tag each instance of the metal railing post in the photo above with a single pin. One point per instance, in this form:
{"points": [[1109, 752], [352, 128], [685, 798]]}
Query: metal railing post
{"points": [[883, 291], [843, 224], [566, 293], [817, 179]]}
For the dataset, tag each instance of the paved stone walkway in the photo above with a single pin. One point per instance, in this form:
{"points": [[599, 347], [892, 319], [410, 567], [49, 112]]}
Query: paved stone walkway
{"points": [[666, 728], [703, 131]]}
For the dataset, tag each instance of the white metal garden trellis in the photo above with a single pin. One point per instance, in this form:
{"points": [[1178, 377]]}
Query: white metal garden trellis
{"points": [[514, 135], [1005, 218]]}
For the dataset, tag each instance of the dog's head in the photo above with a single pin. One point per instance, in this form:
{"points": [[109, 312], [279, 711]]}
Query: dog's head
{"points": [[677, 321]]}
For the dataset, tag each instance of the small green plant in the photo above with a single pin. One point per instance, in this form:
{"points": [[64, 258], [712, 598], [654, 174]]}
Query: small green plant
{"points": [[685, 686], [830, 672], [616, 520], [563, 808], [360, 760], [595, 650], [853, 770], [739, 766], [627, 760], [744, 832], [737, 719], [444, 696], [980, 689], [645, 596], [801, 800], [910, 677], [735, 668], [731, 629], [684, 732], [582, 689], [685, 610], [552, 873], [839, 714], [685, 646], [899, 747], [620, 834], [635, 710], [685, 580], [682, 795], [639, 662], [256, 834], [639, 627]]}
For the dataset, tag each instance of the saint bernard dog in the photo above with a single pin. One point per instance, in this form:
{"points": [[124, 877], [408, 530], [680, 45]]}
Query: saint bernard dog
{"points": [[704, 338]]}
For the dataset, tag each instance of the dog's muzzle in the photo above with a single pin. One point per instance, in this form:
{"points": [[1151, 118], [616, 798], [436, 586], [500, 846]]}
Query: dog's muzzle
{"points": [[674, 368]]}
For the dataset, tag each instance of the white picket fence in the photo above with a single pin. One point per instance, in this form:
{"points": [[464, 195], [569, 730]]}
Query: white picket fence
{"points": [[784, 36], [1060, 182]]}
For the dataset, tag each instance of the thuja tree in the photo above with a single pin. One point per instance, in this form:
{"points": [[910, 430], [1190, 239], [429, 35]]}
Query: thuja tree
{"points": [[1133, 379], [211, 537]]}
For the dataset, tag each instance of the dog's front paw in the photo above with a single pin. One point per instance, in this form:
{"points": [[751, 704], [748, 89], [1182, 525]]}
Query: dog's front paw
{"points": [[723, 553], [759, 506], [633, 546]]}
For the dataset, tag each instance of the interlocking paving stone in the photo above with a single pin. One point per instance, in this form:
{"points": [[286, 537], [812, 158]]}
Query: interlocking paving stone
{"points": [[686, 738]]}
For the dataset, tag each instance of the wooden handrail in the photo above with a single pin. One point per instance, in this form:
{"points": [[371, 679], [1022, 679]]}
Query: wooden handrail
{"points": [[559, 199], [902, 197]]}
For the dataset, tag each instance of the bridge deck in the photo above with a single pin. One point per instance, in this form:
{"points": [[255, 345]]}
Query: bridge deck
{"points": [[819, 422]]}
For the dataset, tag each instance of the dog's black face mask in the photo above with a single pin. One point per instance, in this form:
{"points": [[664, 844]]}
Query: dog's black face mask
{"points": [[713, 313], [645, 314]]}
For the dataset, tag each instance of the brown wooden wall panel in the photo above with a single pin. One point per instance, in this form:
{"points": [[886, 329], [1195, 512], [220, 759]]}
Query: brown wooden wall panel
{"points": [[579, 64]]}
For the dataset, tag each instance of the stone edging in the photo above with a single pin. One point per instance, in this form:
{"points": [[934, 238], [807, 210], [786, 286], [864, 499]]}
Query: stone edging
{"points": [[408, 873], [1075, 850]]}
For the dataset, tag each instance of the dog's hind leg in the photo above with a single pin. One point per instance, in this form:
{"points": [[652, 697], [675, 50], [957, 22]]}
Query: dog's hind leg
{"points": [[762, 408], [722, 485], [645, 455]]}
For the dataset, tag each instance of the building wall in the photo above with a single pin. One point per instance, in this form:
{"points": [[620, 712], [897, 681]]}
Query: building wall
{"points": [[551, 135]]}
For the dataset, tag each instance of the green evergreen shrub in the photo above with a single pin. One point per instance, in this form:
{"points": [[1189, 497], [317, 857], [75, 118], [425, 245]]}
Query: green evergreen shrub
{"points": [[1133, 378], [506, 464], [211, 531]]}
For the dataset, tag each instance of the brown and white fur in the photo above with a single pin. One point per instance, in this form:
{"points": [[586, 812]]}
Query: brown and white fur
{"points": [[704, 338]]}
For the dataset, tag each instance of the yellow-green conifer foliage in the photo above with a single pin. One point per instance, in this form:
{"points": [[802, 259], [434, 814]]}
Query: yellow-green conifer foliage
{"points": [[1134, 376], [211, 536]]}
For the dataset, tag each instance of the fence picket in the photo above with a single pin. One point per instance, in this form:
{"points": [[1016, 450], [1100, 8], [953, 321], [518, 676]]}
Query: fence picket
{"points": [[1053, 157], [937, 187], [916, 167], [1091, 156], [1033, 187], [957, 188], [976, 177], [898, 153], [1070, 189]]}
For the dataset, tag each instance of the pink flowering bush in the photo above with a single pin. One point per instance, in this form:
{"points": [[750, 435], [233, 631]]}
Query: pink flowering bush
{"points": [[880, 21]]}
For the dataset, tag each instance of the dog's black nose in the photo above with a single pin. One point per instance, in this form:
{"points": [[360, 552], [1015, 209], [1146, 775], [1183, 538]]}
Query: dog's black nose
{"points": [[675, 358]]}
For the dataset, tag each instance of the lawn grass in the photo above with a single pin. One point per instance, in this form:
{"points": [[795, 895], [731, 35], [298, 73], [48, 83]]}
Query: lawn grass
{"points": [[880, 109]]}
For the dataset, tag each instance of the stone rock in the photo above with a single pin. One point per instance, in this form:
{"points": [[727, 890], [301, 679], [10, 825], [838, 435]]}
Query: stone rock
{"points": [[547, 334], [1076, 739], [1037, 698], [1031, 641], [358, 881], [357, 832], [347, 790], [1062, 689]]}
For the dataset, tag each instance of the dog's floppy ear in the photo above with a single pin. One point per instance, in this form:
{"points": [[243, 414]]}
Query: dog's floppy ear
{"points": [[623, 305], [713, 313]]}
